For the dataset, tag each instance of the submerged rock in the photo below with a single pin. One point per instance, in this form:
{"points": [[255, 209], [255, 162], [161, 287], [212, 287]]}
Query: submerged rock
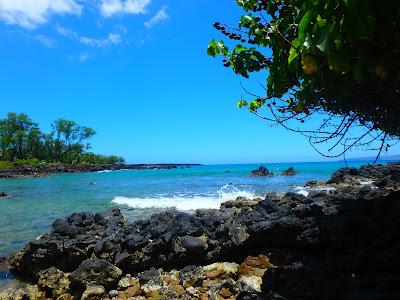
{"points": [[261, 171]]}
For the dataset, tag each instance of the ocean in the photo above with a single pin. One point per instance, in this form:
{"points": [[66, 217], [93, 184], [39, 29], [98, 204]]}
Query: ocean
{"points": [[33, 204]]}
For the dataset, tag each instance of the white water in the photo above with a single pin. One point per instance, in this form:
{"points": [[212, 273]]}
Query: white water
{"points": [[185, 202], [303, 190]]}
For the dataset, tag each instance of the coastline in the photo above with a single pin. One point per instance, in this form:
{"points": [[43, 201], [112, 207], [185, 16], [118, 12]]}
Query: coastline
{"points": [[48, 169], [287, 246]]}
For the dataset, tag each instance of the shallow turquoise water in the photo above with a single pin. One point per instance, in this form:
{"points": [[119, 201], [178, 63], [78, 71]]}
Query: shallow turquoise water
{"points": [[33, 204]]}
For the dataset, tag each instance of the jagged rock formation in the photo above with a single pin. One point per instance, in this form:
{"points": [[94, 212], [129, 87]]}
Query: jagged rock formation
{"points": [[289, 172], [329, 245], [262, 171]]}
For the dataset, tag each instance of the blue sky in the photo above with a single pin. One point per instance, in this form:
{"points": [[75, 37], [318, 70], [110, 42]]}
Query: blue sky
{"points": [[137, 72]]}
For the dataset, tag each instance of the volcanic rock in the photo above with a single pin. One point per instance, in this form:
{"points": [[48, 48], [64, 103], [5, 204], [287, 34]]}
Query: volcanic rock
{"points": [[261, 171]]}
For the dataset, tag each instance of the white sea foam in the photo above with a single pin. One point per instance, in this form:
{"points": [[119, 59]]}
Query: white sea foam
{"points": [[305, 191], [186, 202], [367, 182], [105, 171]]}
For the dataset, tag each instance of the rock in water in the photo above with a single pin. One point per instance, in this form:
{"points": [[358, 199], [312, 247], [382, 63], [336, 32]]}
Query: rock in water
{"points": [[2, 194], [289, 172], [261, 171]]}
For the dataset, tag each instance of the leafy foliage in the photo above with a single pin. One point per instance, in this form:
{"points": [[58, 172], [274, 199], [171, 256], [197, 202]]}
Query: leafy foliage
{"points": [[22, 142], [340, 57]]}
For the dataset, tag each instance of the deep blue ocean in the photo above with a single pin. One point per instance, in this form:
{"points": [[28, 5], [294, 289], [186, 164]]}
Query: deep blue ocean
{"points": [[33, 204]]}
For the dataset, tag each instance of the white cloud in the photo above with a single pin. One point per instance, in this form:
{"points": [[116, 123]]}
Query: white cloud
{"points": [[48, 42], [83, 57], [31, 13], [66, 32], [109, 8], [159, 17], [112, 38]]}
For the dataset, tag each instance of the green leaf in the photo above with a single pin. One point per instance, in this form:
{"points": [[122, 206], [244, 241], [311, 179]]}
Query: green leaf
{"points": [[304, 23], [293, 54], [242, 103], [323, 40], [211, 49], [321, 22]]}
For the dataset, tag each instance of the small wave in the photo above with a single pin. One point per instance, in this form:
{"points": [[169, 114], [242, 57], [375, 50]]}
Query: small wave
{"points": [[186, 202], [105, 171], [305, 191]]}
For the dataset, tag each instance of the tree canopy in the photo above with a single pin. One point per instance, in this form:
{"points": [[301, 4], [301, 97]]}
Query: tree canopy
{"points": [[338, 58], [68, 142]]}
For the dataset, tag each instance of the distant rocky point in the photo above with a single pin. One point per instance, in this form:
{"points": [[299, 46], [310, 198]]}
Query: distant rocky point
{"points": [[262, 171], [44, 170]]}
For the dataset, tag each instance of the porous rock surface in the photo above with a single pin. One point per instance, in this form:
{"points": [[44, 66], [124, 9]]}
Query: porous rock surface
{"points": [[341, 244]]}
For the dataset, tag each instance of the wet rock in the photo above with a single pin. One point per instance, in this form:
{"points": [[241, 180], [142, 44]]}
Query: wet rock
{"points": [[289, 172], [240, 202], [95, 272], [261, 171]]}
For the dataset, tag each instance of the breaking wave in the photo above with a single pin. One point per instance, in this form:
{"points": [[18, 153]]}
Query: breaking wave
{"points": [[186, 202]]}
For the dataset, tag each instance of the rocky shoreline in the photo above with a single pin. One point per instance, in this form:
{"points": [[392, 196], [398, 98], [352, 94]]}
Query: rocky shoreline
{"points": [[336, 243], [44, 170]]}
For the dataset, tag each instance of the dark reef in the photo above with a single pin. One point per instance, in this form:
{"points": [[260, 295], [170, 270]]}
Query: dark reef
{"points": [[262, 171]]}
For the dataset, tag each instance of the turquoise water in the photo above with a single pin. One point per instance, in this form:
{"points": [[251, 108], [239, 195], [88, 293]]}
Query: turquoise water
{"points": [[33, 204]]}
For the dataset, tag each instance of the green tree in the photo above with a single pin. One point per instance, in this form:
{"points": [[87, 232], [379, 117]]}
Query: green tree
{"points": [[93, 158], [22, 142], [70, 140], [338, 58], [17, 135]]}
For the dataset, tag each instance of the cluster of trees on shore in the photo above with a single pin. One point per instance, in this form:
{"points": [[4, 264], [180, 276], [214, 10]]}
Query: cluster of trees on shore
{"points": [[68, 142]]}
